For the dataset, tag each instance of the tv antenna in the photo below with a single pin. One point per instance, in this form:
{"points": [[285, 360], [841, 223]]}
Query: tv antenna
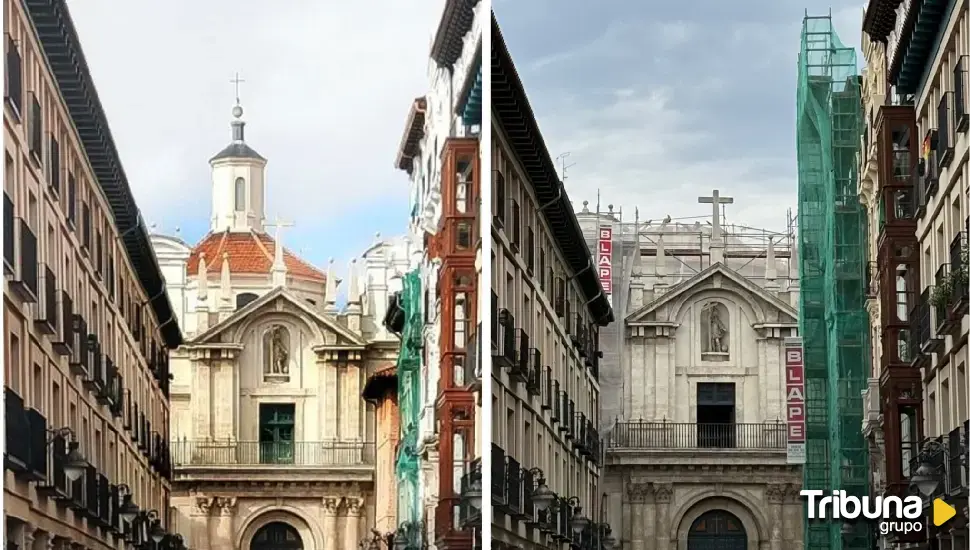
{"points": [[563, 166]]}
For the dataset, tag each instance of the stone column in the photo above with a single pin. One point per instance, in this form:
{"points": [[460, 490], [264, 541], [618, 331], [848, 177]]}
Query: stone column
{"points": [[662, 494], [199, 538], [330, 507], [775, 495], [354, 507], [637, 495], [30, 534], [221, 533]]}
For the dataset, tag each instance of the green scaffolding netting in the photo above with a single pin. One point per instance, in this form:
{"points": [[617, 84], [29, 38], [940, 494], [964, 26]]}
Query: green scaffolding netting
{"points": [[832, 244], [409, 399]]}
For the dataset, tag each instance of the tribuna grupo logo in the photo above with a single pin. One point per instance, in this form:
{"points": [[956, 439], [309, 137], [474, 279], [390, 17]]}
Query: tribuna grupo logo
{"points": [[894, 514]]}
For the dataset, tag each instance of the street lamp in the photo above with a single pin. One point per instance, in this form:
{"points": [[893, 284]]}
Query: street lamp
{"points": [[74, 463], [926, 477], [128, 510], [542, 495], [155, 532], [472, 493], [608, 540], [375, 540], [579, 522]]}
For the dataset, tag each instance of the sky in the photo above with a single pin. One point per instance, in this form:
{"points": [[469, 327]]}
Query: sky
{"points": [[326, 94], [659, 103]]}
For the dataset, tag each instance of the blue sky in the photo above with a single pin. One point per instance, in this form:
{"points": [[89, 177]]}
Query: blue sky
{"points": [[661, 102], [327, 90]]}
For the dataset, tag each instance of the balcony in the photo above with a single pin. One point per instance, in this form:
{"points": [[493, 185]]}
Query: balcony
{"points": [[533, 383], [9, 239], [63, 342], [45, 316], [957, 477], [499, 490], [56, 486], [503, 344], [519, 368], [547, 392], [229, 455], [394, 316], [960, 88], [79, 346], [639, 435], [26, 278], [940, 299], [946, 131], [921, 337], [513, 489], [555, 402], [959, 269], [26, 439], [468, 515]]}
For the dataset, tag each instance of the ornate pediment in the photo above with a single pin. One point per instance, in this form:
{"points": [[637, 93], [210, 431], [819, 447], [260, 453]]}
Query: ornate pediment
{"points": [[279, 301], [767, 306]]}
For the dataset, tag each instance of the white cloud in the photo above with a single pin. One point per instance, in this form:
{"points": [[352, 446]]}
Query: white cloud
{"points": [[327, 89], [638, 151]]}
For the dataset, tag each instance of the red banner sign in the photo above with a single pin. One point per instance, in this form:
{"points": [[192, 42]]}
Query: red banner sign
{"points": [[604, 260], [795, 399]]}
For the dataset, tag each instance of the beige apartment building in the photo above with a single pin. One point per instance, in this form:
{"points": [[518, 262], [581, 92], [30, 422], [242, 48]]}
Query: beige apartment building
{"points": [[87, 324], [915, 182], [547, 306]]}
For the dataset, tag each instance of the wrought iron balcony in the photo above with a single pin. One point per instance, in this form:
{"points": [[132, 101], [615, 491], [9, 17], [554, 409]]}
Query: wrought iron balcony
{"points": [[533, 382], [940, 298], [201, 454], [17, 452], [560, 301], [687, 435], [499, 488], [473, 361], [9, 238], [547, 391], [946, 138], [514, 489], [79, 346], [958, 458], [920, 330], [959, 271], [503, 346], [45, 318], [519, 369], [26, 278], [469, 515], [580, 441], [57, 486]]}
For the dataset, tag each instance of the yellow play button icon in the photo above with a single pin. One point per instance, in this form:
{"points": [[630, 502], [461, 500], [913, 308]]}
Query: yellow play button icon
{"points": [[942, 512]]}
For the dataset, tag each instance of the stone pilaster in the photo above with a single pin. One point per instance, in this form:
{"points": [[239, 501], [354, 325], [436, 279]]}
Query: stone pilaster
{"points": [[792, 519], [664, 372], [331, 505], [354, 507], [662, 494], [775, 495], [223, 392], [202, 395], [637, 494], [328, 399], [225, 509], [200, 536], [353, 401]]}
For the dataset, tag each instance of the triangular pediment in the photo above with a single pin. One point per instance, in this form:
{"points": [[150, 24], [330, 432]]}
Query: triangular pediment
{"points": [[273, 300], [703, 281]]}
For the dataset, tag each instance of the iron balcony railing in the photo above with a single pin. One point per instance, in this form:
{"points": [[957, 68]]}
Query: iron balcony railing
{"points": [[468, 515], [503, 345], [688, 435], [194, 453], [498, 476], [959, 271], [957, 482], [941, 296], [9, 239]]}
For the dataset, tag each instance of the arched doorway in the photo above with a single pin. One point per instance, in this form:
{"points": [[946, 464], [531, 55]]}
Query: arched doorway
{"points": [[717, 530], [276, 536]]}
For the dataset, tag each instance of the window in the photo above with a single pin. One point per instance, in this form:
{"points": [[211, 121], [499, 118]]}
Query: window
{"points": [[54, 150], [276, 421], [14, 89], [244, 299], [36, 129], [240, 194], [71, 200]]}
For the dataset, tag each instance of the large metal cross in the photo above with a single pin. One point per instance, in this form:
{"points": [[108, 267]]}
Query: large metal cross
{"points": [[717, 200], [237, 81], [279, 224]]}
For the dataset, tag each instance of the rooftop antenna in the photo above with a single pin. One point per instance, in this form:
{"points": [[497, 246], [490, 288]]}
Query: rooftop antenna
{"points": [[563, 166]]}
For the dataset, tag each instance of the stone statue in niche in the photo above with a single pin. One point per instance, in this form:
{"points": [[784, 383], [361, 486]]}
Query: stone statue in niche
{"points": [[276, 352], [714, 332]]}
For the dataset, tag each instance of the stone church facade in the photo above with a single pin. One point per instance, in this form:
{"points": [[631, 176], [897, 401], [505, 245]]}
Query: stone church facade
{"points": [[700, 459], [272, 444]]}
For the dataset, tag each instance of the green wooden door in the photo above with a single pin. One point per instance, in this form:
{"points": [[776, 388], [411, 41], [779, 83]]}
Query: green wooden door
{"points": [[276, 445]]}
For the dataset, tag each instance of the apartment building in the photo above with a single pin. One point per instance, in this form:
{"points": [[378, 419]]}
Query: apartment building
{"points": [[87, 322], [915, 184], [547, 306], [438, 467]]}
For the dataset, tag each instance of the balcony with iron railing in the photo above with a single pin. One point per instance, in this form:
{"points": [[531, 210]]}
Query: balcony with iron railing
{"points": [[940, 299], [958, 462], [26, 276], [959, 302], [921, 336], [641, 441], [519, 369], [285, 455], [471, 482], [503, 340], [9, 239]]}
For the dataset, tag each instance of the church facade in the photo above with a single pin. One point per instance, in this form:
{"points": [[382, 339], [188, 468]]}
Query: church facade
{"points": [[272, 444], [697, 458]]}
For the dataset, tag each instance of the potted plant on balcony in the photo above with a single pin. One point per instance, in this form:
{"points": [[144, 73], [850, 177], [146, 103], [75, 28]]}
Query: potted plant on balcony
{"points": [[958, 277], [941, 293]]}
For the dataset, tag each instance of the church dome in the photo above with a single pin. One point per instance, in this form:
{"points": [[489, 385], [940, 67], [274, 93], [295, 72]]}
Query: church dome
{"points": [[248, 253]]}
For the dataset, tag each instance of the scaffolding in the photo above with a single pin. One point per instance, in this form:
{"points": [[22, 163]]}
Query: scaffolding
{"points": [[834, 325], [409, 387]]}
